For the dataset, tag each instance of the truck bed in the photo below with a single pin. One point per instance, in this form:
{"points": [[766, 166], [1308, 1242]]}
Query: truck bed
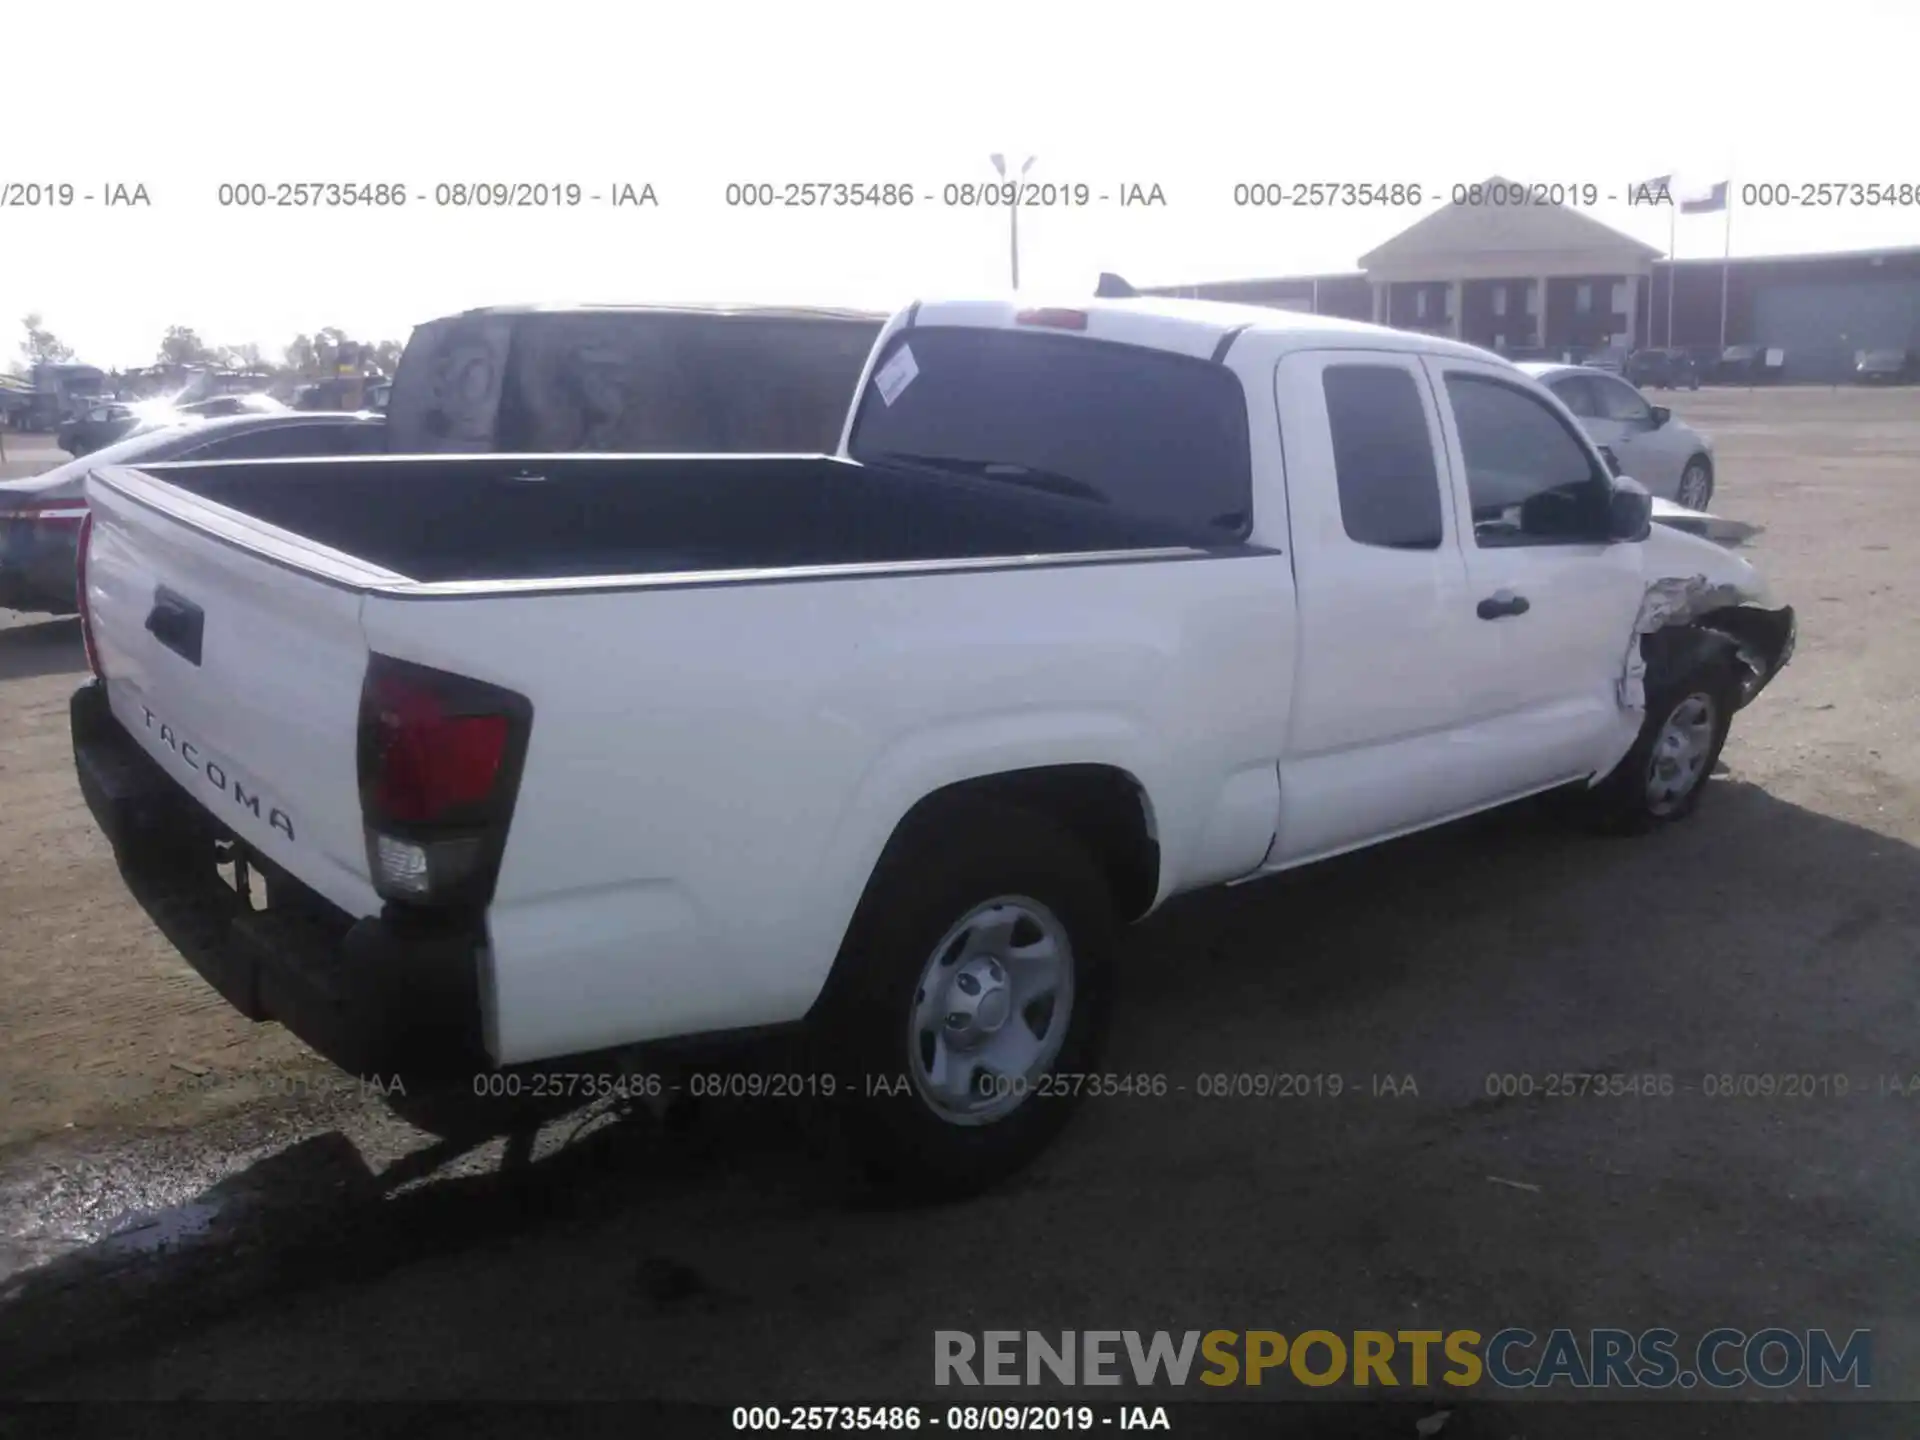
{"points": [[494, 517], [713, 768]]}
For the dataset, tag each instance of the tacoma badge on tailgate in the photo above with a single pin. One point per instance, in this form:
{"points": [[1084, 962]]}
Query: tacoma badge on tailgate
{"points": [[215, 775]]}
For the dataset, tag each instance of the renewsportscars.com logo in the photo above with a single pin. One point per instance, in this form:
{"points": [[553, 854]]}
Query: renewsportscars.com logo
{"points": [[1512, 1358]]}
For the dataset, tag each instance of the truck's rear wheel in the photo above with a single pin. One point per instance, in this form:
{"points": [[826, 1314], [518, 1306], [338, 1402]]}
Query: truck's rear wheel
{"points": [[974, 980]]}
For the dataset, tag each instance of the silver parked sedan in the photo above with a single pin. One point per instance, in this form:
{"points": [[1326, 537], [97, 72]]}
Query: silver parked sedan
{"points": [[1662, 452]]}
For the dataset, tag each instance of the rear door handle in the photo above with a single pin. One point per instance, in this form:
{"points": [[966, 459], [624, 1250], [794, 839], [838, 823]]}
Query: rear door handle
{"points": [[177, 623], [1501, 603]]}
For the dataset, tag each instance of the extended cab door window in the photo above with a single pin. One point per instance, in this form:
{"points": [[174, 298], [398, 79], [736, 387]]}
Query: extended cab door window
{"points": [[1530, 479], [1383, 457]]}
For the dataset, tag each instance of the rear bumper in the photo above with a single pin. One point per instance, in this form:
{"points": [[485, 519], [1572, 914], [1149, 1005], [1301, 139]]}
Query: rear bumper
{"points": [[381, 996]]}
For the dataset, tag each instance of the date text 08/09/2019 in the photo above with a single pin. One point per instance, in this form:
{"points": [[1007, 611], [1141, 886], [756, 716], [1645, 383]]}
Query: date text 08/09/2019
{"points": [[960, 1419]]}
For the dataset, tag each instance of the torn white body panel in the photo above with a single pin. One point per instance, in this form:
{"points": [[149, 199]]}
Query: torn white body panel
{"points": [[1675, 600], [1689, 575]]}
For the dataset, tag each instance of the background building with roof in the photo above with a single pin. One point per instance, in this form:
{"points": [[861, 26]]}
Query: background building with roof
{"points": [[1516, 278]]}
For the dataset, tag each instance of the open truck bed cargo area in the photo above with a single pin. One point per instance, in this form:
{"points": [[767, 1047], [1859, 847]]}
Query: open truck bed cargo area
{"points": [[493, 517]]}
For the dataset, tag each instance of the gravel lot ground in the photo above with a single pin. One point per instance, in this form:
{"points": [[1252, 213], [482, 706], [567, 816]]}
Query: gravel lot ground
{"points": [[28, 455], [296, 1239]]}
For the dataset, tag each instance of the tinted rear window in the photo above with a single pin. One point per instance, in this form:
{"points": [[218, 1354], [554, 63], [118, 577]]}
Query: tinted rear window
{"points": [[1152, 434]]}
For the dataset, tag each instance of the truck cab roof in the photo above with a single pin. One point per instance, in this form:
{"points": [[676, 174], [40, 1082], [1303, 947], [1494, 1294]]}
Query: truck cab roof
{"points": [[1202, 328], [719, 309]]}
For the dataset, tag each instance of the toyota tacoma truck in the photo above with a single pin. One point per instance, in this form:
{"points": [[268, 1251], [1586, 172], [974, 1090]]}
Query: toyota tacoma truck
{"points": [[504, 759]]}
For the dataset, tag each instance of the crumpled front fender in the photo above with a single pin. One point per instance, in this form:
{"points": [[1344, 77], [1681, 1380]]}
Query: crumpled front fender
{"points": [[1699, 584]]}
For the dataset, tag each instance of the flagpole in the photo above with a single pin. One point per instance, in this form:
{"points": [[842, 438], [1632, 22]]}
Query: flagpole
{"points": [[1673, 222], [1726, 264]]}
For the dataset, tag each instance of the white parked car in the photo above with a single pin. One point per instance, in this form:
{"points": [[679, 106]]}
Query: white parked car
{"points": [[1664, 453], [547, 757]]}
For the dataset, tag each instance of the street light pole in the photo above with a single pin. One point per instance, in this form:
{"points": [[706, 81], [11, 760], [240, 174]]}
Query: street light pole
{"points": [[1013, 209]]}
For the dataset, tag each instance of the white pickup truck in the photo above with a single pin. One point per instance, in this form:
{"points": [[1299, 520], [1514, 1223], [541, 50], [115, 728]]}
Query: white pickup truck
{"points": [[554, 756]]}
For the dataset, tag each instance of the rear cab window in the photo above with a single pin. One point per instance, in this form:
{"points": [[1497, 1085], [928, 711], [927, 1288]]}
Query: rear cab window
{"points": [[1142, 432]]}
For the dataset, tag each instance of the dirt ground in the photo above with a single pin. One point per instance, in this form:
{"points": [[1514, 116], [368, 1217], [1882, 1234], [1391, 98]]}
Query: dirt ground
{"points": [[28, 455], [1774, 933]]}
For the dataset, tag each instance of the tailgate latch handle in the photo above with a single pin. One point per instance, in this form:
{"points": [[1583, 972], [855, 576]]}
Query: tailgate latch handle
{"points": [[177, 623]]}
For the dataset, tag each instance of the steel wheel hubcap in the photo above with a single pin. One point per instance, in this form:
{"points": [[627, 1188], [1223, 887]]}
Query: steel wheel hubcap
{"points": [[991, 1010], [1693, 487], [1679, 759]]}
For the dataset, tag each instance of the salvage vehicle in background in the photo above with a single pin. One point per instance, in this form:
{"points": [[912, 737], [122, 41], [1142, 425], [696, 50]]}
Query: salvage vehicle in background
{"points": [[629, 379], [1886, 367], [552, 756], [1748, 365], [1609, 359], [256, 403], [40, 516], [1665, 454], [1662, 370], [97, 426]]}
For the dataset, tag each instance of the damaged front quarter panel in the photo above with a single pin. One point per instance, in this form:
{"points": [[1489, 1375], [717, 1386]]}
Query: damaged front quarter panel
{"points": [[1674, 600], [1700, 586]]}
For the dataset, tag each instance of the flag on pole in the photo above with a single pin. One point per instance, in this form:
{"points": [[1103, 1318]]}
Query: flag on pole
{"points": [[1707, 201], [1659, 188]]}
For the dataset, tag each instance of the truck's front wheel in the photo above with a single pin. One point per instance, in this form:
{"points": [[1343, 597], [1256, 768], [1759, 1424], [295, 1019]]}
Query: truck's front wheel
{"points": [[970, 998], [1665, 775]]}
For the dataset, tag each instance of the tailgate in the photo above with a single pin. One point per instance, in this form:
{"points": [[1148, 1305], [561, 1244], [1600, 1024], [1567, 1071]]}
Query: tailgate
{"points": [[241, 675]]}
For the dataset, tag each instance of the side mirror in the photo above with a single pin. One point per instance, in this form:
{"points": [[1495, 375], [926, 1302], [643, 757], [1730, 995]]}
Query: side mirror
{"points": [[1661, 415], [1613, 460], [1629, 511]]}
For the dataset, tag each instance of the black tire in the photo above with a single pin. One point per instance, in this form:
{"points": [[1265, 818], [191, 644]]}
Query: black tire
{"points": [[1622, 803], [944, 863], [1706, 498]]}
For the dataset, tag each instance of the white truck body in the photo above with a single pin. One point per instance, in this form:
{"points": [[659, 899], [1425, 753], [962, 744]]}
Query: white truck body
{"points": [[720, 752]]}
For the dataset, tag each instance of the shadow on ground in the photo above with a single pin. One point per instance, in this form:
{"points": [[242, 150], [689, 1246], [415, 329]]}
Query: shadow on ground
{"points": [[41, 647], [1502, 944]]}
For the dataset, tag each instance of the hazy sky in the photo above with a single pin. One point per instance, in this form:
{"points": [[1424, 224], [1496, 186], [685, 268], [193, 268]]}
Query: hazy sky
{"points": [[1193, 97]]}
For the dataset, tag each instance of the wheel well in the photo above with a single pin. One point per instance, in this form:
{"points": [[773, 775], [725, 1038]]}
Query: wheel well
{"points": [[1750, 638], [1703, 457], [1674, 651], [1102, 806]]}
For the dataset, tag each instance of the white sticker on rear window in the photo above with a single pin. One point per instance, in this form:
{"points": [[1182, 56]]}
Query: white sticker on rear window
{"points": [[894, 376]]}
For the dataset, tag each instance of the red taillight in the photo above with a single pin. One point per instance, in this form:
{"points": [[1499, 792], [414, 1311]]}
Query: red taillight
{"points": [[428, 762], [1053, 319], [80, 595], [439, 759]]}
